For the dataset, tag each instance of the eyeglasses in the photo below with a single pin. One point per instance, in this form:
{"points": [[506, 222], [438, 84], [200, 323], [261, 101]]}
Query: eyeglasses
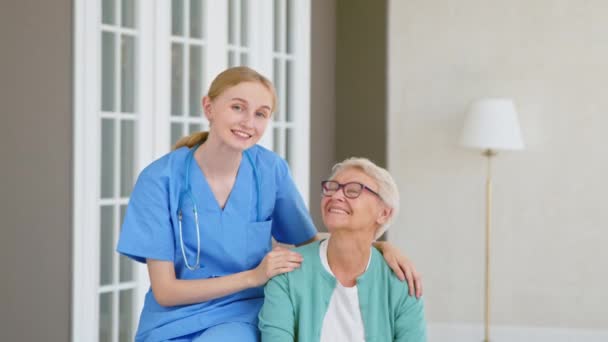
{"points": [[351, 190]]}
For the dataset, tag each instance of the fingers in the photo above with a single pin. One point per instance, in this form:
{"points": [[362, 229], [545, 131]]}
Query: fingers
{"points": [[281, 260], [418, 284], [414, 281], [396, 262], [280, 253], [406, 271], [410, 280], [394, 265], [283, 267]]}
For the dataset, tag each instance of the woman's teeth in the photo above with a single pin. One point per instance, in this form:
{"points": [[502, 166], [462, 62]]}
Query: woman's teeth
{"points": [[337, 211], [241, 134]]}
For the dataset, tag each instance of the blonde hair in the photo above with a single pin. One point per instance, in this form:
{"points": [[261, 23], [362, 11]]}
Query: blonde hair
{"points": [[387, 188], [227, 79]]}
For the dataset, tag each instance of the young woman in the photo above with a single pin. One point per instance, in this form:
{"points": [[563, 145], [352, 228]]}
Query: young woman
{"points": [[202, 218]]}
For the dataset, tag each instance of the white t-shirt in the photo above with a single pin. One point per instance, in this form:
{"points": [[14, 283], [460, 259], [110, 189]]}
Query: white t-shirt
{"points": [[342, 320]]}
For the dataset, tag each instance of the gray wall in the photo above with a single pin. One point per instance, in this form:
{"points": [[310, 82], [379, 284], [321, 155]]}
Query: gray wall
{"points": [[348, 87], [322, 95], [361, 41], [550, 215], [35, 177]]}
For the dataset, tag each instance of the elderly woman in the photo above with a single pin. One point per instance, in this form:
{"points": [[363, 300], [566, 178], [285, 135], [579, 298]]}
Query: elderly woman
{"points": [[344, 290]]}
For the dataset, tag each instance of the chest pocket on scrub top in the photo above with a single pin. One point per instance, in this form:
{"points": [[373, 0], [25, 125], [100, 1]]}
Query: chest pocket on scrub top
{"points": [[258, 242]]}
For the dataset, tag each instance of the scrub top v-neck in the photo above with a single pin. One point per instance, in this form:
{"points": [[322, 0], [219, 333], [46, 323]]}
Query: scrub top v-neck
{"points": [[232, 239], [197, 175]]}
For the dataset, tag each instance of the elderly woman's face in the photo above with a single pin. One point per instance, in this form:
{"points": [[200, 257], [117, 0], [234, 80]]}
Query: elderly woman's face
{"points": [[364, 213]]}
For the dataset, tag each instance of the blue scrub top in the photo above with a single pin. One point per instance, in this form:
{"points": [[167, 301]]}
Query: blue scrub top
{"points": [[232, 240]]}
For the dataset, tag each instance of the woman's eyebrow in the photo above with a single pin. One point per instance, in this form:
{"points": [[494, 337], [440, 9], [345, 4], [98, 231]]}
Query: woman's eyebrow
{"points": [[245, 102], [238, 99]]}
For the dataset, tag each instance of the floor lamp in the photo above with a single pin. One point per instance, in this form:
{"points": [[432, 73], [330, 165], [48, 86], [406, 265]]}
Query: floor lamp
{"points": [[491, 125]]}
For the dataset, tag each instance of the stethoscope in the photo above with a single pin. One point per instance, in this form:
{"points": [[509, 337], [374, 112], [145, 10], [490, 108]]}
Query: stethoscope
{"points": [[188, 192]]}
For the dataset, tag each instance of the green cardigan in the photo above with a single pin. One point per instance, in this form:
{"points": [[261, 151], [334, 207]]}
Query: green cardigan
{"points": [[296, 302]]}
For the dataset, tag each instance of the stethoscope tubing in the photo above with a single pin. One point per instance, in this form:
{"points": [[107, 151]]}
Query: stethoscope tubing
{"points": [[188, 191]]}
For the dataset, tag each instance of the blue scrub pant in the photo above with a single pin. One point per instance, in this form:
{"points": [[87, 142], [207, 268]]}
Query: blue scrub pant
{"points": [[229, 332]]}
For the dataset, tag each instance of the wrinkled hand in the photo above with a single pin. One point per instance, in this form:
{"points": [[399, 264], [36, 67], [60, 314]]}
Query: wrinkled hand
{"points": [[403, 267], [279, 260]]}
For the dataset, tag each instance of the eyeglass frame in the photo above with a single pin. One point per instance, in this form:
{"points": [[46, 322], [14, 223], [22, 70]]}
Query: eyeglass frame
{"points": [[343, 186]]}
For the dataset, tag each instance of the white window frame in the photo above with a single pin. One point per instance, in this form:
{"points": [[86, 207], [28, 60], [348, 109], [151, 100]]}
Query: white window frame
{"points": [[153, 78], [262, 61], [86, 220]]}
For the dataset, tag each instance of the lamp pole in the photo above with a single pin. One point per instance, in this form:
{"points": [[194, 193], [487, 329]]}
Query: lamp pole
{"points": [[488, 154], [491, 125]]}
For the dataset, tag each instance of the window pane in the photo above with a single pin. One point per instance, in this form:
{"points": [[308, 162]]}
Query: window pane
{"points": [[244, 59], [126, 269], [123, 212], [126, 315], [105, 317], [289, 22], [289, 79], [127, 74], [128, 13], [277, 142], [177, 79], [196, 18], [176, 132], [107, 158], [278, 85], [232, 17], [127, 157], [231, 58], [106, 244], [244, 23], [195, 128], [126, 264], [196, 80], [288, 146], [107, 12], [277, 26], [177, 17], [107, 71]]}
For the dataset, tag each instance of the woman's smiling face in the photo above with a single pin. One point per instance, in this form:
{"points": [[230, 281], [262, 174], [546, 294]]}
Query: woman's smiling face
{"points": [[239, 115], [366, 212]]}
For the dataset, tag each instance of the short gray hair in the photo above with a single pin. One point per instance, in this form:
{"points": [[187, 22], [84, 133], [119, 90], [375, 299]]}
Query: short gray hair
{"points": [[387, 188]]}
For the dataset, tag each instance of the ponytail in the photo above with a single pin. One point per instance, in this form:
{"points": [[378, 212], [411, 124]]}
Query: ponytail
{"points": [[192, 140]]}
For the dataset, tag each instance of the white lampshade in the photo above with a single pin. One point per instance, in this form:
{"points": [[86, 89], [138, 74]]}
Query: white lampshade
{"points": [[492, 124]]}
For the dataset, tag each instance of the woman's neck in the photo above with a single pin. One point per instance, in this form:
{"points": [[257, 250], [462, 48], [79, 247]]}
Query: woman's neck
{"points": [[348, 256], [216, 159]]}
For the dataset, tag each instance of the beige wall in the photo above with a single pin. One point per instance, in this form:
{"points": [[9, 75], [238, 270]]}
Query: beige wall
{"points": [[551, 216], [35, 176]]}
